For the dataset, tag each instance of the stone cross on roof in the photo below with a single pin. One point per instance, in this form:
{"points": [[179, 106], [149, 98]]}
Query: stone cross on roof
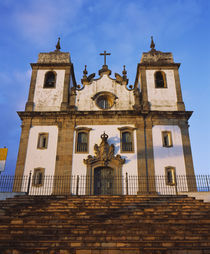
{"points": [[105, 54]]}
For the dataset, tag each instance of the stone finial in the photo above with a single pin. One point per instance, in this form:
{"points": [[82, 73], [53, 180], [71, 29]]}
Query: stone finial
{"points": [[152, 45], [58, 46], [124, 72], [85, 72]]}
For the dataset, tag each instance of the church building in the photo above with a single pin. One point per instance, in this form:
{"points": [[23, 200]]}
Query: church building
{"points": [[101, 134]]}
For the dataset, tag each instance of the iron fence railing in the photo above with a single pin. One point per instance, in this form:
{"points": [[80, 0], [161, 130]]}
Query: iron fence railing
{"points": [[88, 185]]}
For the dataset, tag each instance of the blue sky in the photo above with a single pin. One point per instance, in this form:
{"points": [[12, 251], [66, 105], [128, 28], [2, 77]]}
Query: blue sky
{"points": [[88, 27]]}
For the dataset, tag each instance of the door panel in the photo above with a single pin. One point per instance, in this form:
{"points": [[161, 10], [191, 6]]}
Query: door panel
{"points": [[103, 181]]}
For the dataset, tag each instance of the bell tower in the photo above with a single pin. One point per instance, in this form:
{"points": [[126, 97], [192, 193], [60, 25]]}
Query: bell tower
{"points": [[51, 94], [51, 81], [159, 78]]}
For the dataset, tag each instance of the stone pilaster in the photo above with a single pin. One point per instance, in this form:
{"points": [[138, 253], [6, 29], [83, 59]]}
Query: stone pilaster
{"points": [[30, 103], [180, 103], [142, 157], [20, 165], [188, 156], [72, 98], [63, 167], [143, 80], [150, 155], [64, 104]]}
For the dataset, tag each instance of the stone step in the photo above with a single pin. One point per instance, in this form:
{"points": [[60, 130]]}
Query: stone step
{"points": [[43, 223]]}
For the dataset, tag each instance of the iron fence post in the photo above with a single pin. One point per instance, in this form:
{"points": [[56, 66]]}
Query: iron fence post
{"points": [[29, 183], [126, 180], [207, 183], [77, 187], [176, 186]]}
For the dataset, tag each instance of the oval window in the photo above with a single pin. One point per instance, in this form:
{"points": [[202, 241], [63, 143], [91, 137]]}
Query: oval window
{"points": [[105, 101]]}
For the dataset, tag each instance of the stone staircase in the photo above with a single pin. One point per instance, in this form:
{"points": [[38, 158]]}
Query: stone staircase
{"points": [[104, 224]]}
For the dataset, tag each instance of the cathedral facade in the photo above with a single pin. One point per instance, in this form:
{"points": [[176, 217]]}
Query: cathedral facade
{"points": [[105, 129]]}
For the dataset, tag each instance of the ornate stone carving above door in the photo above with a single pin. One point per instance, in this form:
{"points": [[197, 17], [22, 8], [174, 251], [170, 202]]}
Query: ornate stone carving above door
{"points": [[104, 153]]}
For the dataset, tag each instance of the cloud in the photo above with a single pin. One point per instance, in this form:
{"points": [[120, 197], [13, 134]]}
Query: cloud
{"points": [[14, 86], [39, 21]]}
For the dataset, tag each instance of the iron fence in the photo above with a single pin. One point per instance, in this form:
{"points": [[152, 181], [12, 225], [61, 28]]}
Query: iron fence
{"points": [[88, 185]]}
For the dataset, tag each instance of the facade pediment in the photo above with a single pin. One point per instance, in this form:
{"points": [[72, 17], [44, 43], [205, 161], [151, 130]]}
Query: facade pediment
{"points": [[122, 97]]}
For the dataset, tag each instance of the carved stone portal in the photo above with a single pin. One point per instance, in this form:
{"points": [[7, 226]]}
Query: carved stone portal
{"points": [[104, 170]]}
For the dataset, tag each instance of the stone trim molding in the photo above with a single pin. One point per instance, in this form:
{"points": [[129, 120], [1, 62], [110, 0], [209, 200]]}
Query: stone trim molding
{"points": [[110, 114]]}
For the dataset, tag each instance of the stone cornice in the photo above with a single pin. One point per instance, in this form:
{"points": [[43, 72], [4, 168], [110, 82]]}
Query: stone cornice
{"points": [[93, 114], [50, 64], [153, 65]]}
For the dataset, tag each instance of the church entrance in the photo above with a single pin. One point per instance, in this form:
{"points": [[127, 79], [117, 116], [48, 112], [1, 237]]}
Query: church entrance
{"points": [[103, 181]]}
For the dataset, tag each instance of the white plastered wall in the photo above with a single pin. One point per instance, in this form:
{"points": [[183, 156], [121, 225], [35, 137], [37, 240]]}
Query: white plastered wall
{"points": [[125, 99], [130, 166], [168, 156], [41, 158], [161, 98], [48, 99]]}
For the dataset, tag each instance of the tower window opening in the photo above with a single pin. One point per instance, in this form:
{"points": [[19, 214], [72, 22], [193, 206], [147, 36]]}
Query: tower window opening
{"points": [[42, 141], [167, 139], [160, 79], [170, 176], [38, 177], [50, 79]]}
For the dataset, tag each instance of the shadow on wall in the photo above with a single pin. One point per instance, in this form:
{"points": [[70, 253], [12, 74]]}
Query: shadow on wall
{"points": [[116, 142], [165, 152]]}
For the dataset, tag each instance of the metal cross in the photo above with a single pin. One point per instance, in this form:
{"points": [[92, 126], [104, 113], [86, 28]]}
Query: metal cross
{"points": [[105, 54]]}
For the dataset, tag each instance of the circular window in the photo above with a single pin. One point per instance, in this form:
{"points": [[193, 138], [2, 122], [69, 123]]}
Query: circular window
{"points": [[105, 101]]}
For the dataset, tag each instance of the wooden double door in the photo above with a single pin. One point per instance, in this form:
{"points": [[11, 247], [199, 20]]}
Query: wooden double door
{"points": [[103, 181]]}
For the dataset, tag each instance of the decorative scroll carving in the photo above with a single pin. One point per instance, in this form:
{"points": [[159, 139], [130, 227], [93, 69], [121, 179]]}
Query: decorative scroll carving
{"points": [[104, 153]]}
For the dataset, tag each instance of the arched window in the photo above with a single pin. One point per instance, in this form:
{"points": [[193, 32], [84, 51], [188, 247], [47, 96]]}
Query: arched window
{"points": [[82, 142], [127, 145], [160, 79], [50, 79]]}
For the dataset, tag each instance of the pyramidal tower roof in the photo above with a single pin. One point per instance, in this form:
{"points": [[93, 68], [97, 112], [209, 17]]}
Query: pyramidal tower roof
{"points": [[55, 56], [156, 57]]}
